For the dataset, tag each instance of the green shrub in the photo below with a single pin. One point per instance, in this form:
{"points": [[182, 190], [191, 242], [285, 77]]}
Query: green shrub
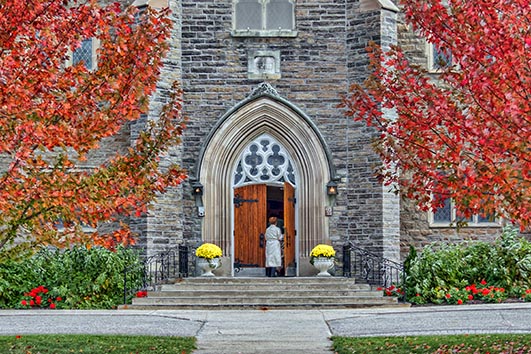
{"points": [[443, 275], [83, 278]]}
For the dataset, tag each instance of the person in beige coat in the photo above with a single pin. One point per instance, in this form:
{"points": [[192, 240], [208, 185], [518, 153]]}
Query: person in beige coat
{"points": [[273, 252]]}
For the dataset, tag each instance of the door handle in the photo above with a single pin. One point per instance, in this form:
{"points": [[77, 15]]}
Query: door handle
{"points": [[262, 239]]}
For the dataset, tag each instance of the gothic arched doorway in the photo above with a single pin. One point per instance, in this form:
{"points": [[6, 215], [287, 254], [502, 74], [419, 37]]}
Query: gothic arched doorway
{"points": [[264, 114]]}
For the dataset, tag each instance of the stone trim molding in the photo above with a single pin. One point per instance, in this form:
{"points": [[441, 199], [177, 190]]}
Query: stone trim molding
{"points": [[371, 5], [264, 114], [264, 89]]}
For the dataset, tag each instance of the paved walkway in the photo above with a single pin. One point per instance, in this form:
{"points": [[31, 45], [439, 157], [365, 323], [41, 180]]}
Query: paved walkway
{"points": [[274, 331]]}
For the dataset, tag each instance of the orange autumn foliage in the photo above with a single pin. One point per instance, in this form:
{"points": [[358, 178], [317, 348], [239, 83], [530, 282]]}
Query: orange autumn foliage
{"points": [[465, 132], [52, 116]]}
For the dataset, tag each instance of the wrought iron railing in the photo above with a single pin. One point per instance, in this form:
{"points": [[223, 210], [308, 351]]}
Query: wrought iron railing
{"points": [[159, 269], [374, 269]]}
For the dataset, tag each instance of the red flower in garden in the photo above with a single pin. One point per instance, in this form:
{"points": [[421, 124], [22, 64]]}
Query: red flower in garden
{"points": [[448, 296], [460, 302], [52, 305], [24, 303], [470, 297], [485, 292], [32, 303], [59, 299], [38, 300], [483, 282]]}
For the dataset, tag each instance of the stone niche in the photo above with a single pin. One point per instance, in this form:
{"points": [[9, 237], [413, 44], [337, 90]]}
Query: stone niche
{"points": [[264, 65]]}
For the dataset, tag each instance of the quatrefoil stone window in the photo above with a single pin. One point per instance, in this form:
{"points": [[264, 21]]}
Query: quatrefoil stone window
{"points": [[264, 161]]}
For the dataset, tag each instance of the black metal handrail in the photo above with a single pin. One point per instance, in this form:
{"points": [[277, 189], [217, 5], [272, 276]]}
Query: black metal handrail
{"points": [[159, 269], [372, 268]]}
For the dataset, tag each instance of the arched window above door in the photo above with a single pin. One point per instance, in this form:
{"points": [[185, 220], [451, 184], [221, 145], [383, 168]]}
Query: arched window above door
{"points": [[264, 160]]}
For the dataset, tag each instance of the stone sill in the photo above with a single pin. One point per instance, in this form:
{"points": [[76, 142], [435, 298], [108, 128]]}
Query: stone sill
{"points": [[469, 226], [264, 33]]}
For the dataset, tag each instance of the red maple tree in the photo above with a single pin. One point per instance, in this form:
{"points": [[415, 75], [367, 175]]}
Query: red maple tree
{"points": [[53, 116], [465, 132]]}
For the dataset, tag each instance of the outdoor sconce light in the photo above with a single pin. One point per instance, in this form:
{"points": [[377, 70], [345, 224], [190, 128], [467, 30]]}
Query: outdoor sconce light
{"points": [[331, 188], [197, 191]]}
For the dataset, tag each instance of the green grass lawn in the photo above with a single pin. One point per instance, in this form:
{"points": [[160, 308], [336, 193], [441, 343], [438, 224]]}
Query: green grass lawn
{"points": [[67, 343], [488, 343]]}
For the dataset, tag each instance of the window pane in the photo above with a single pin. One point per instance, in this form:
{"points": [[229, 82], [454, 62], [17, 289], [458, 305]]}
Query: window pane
{"points": [[248, 14], [486, 218], [279, 14], [441, 58], [443, 214], [83, 54], [462, 218]]}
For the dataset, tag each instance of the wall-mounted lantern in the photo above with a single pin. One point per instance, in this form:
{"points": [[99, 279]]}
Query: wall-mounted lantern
{"points": [[197, 189], [197, 192], [331, 188]]}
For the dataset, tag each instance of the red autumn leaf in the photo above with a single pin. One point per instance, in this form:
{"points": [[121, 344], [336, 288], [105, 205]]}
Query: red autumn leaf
{"points": [[54, 117], [464, 133]]}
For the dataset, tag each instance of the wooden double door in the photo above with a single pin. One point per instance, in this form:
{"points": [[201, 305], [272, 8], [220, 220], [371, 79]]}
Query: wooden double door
{"points": [[253, 204]]}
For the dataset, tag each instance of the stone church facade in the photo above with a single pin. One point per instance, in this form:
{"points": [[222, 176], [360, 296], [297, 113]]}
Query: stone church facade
{"points": [[262, 82]]}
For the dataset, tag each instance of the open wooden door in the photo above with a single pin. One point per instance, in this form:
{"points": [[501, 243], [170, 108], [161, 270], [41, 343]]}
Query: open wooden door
{"points": [[289, 226], [250, 222]]}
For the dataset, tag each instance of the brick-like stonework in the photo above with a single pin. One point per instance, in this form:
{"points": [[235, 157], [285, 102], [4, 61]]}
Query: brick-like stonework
{"points": [[318, 63], [317, 66]]}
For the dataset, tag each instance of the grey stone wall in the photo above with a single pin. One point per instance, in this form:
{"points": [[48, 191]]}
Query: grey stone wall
{"points": [[371, 219], [416, 231], [316, 68]]}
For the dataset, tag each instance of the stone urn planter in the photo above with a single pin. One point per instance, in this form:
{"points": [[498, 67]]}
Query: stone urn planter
{"points": [[208, 265], [208, 258], [322, 258], [323, 265]]}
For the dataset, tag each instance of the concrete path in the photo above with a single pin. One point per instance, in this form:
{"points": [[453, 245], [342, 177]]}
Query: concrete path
{"points": [[274, 331]]}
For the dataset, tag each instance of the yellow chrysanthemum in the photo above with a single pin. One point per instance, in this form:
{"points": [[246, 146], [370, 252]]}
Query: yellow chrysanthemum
{"points": [[208, 251], [323, 251]]}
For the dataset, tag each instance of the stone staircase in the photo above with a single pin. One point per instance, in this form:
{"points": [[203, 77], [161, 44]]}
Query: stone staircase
{"points": [[280, 293]]}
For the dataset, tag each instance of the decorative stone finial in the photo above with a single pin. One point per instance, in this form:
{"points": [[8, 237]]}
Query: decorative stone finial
{"points": [[264, 88]]}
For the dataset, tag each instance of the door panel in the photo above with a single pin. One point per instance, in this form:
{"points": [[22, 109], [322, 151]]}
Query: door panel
{"points": [[289, 225], [249, 222]]}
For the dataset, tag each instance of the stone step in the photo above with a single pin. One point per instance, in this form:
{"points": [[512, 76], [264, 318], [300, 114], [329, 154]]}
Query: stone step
{"points": [[262, 300], [259, 293], [264, 286], [263, 307], [262, 292], [265, 280]]}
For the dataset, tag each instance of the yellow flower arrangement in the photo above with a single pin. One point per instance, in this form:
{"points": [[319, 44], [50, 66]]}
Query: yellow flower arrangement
{"points": [[208, 251], [323, 251]]}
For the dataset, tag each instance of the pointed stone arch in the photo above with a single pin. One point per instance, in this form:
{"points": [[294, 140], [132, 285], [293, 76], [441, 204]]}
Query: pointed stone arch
{"points": [[264, 112]]}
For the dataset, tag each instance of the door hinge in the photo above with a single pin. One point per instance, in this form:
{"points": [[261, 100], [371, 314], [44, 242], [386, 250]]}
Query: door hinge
{"points": [[238, 201]]}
